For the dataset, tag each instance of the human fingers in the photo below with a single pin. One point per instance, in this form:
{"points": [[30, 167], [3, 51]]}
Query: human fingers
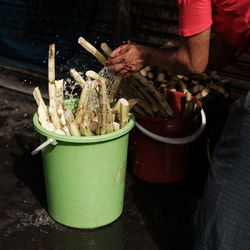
{"points": [[119, 50], [113, 61]]}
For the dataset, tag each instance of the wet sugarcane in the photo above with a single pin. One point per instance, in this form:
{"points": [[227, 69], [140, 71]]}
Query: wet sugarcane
{"points": [[43, 115], [52, 88]]}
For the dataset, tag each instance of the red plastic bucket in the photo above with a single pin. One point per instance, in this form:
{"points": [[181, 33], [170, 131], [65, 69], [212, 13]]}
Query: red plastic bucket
{"points": [[159, 146]]}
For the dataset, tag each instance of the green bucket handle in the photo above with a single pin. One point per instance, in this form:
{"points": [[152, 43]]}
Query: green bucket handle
{"points": [[43, 145]]}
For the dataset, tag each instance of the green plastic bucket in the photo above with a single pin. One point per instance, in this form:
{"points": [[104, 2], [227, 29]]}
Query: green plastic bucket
{"points": [[84, 176]]}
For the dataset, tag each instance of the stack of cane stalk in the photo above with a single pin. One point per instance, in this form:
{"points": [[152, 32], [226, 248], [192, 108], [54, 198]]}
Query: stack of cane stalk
{"points": [[93, 116]]}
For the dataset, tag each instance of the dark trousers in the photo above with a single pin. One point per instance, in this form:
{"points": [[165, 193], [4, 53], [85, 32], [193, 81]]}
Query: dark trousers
{"points": [[224, 220]]}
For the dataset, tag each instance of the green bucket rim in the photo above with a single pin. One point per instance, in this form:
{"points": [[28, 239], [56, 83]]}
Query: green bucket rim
{"points": [[82, 139]]}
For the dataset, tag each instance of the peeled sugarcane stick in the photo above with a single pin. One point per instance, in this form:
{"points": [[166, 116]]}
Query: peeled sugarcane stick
{"points": [[91, 49], [115, 87], [54, 117], [85, 125], [124, 111], [116, 126], [92, 74], [51, 76], [52, 88], [155, 92], [83, 101], [189, 104], [202, 94], [77, 77], [110, 127], [43, 120], [83, 97], [60, 111], [73, 129], [183, 87], [106, 49], [40, 102], [43, 115], [116, 110], [102, 121]]}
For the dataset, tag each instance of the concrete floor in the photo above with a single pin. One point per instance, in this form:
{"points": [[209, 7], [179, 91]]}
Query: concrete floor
{"points": [[154, 216]]}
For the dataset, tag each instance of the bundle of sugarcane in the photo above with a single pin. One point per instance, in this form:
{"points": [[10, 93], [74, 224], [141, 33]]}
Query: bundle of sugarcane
{"points": [[93, 116], [200, 86]]}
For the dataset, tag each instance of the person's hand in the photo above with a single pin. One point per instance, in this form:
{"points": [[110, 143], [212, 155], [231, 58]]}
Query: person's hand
{"points": [[127, 59]]}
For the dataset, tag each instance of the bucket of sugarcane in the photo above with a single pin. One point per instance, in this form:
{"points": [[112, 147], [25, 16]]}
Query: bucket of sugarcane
{"points": [[84, 175], [159, 147]]}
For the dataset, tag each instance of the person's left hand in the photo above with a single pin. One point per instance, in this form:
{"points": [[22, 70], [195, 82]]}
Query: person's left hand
{"points": [[127, 59]]}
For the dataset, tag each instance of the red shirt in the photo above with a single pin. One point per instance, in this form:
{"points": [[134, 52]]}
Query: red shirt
{"points": [[229, 18]]}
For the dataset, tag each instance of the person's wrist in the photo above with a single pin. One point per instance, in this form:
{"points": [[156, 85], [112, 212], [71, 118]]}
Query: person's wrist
{"points": [[147, 53]]}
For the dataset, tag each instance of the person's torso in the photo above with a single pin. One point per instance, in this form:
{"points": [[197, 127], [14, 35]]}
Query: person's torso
{"points": [[231, 20]]}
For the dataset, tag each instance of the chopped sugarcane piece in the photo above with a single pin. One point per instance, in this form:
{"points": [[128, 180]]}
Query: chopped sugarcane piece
{"points": [[106, 49], [110, 128], [44, 121], [150, 75], [102, 121], [189, 104], [115, 87], [54, 117], [92, 74], [116, 110], [183, 86], [51, 63], [202, 94], [116, 126], [155, 92], [61, 117], [51, 76], [40, 102], [73, 129], [66, 130], [132, 103], [49, 126], [124, 106], [77, 77], [85, 127], [60, 131], [59, 92], [91, 49], [143, 72], [161, 77], [83, 101]]}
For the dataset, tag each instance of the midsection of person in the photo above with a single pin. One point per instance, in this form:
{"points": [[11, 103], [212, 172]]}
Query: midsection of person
{"points": [[229, 18]]}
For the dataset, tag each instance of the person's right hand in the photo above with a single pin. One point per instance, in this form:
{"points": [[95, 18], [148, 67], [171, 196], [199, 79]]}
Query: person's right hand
{"points": [[127, 59]]}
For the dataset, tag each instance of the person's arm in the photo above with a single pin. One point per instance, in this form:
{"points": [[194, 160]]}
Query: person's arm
{"points": [[190, 58]]}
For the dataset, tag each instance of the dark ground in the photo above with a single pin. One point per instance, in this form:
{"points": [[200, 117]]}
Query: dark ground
{"points": [[154, 216]]}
